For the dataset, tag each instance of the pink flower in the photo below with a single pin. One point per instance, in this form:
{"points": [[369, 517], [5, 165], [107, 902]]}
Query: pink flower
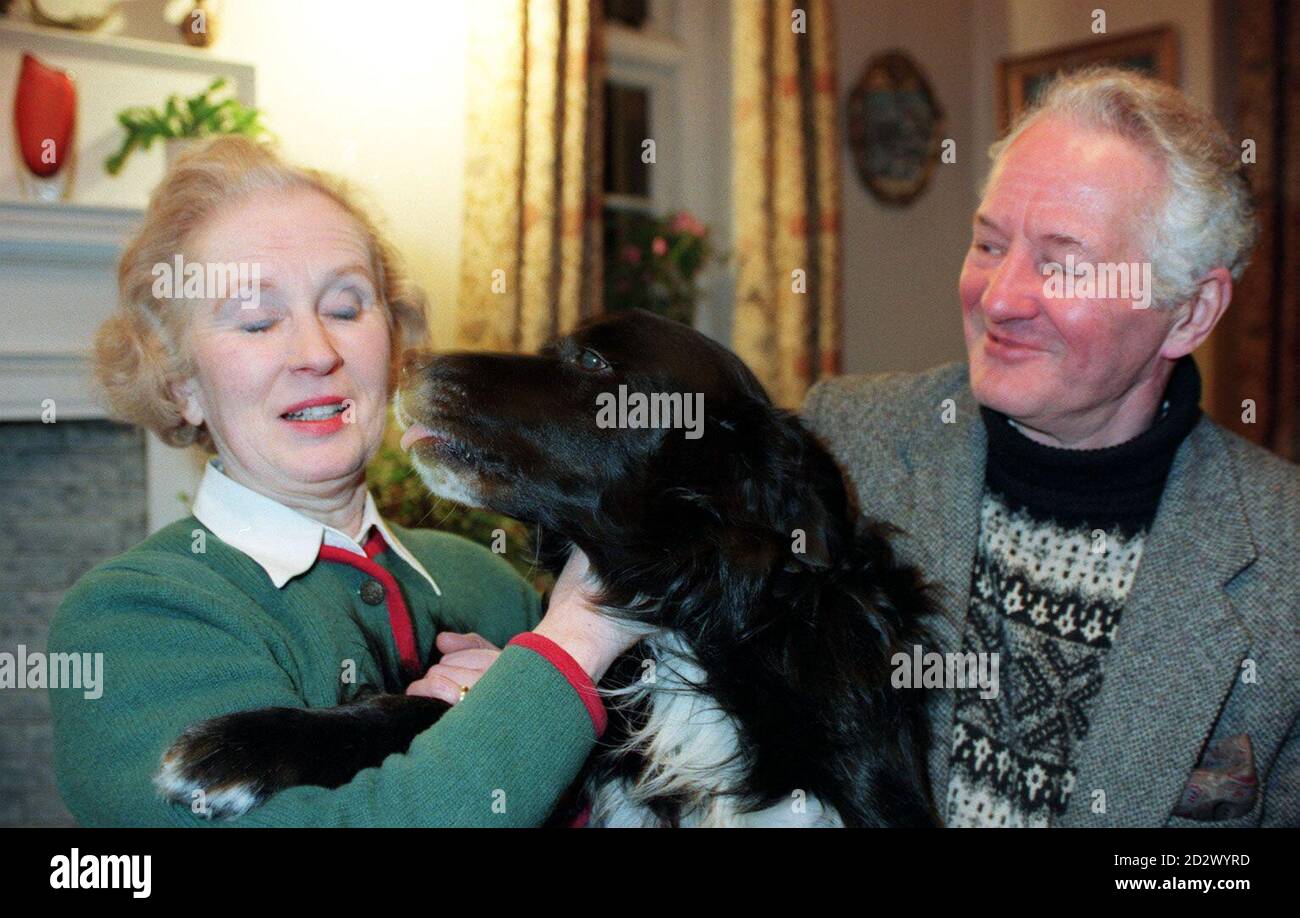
{"points": [[684, 222], [631, 254], [659, 246]]}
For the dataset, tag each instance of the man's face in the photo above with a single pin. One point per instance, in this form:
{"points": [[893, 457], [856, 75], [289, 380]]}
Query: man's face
{"points": [[1063, 365]]}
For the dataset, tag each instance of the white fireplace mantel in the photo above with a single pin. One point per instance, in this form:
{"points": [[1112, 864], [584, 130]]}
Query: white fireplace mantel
{"points": [[58, 282]]}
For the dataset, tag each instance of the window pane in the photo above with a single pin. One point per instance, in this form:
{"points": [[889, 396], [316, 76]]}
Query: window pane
{"points": [[627, 12], [627, 126]]}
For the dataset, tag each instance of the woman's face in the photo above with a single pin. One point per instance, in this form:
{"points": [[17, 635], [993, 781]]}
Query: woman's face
{"points": [[316, 333]]}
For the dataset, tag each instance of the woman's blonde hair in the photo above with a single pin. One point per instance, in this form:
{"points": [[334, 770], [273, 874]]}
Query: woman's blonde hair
{"points": [[140, 350]]}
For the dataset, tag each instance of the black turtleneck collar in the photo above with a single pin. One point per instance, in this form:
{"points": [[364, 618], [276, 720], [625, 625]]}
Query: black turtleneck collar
{"points": [[1112, 486]]}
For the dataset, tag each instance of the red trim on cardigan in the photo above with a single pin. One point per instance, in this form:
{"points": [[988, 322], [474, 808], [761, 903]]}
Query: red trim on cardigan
{"points": [[399, 616], [558, 657]]}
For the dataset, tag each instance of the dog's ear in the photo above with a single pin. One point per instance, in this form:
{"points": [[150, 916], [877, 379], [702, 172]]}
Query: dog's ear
{"points": [[809, 531], [777, 481], [812, 512]]}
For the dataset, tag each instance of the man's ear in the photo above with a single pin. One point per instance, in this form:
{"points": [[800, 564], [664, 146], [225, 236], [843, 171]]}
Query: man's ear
{"points": [[1198, 316], [183, 393]]}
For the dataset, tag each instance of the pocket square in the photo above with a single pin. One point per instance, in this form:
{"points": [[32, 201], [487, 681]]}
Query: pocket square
{"points": [[1224, 784]]}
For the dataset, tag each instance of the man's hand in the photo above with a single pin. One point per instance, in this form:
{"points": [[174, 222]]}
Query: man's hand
{"points": [[465, 657]]}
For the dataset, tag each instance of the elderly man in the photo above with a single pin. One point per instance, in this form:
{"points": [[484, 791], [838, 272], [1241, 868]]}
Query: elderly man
{"points": [[1131, 564]]}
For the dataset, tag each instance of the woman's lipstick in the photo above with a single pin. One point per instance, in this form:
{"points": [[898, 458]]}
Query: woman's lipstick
{"points": [[318, 417]]}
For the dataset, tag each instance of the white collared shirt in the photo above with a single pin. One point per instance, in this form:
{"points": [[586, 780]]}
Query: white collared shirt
{"points": [[283, 541]]}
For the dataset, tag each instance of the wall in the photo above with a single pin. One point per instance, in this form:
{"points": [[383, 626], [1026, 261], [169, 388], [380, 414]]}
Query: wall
{"points": [[375, 93], [1036, 25], [1016, 27], [901, 264]]}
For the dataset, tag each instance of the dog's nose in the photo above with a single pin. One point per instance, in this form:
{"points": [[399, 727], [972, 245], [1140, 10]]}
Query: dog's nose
{"points": [[415, 361]]}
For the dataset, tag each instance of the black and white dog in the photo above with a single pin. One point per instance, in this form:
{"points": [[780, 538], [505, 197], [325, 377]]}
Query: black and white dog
{"points": [[772, 610]]}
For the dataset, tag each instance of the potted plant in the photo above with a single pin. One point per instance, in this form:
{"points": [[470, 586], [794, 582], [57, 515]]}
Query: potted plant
{"points": [[656, 263], [209, 114]]}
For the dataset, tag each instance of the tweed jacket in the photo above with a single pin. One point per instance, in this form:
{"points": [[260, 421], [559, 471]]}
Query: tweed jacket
{"points": [[1207, 647]]}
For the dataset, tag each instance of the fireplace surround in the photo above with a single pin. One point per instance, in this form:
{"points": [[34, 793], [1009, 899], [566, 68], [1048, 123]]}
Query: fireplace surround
{"points": [[75, 487]]}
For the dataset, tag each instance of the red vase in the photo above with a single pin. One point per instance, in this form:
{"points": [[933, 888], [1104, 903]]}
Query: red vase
{"points": [[45, 115]]}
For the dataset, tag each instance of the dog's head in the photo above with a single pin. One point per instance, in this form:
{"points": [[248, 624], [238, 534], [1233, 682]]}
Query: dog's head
{"points": [[564, 439]]}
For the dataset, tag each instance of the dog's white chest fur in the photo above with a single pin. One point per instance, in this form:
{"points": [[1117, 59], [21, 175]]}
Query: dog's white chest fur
{"points": [[694, 753]]}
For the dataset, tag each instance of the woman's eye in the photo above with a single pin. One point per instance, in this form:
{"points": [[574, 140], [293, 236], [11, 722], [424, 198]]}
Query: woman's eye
{"points": [[590, 361], [348, 302], [254, 327]]}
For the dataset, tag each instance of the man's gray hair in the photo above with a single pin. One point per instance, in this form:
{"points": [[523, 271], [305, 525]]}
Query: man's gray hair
{"points": [[1208, 215]]}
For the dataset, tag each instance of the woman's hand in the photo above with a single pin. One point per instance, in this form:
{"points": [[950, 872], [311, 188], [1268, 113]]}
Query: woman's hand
{"points": [[573, 621], [465, 657]]}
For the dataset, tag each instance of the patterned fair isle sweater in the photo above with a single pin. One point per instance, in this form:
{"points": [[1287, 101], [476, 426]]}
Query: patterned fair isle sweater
{"points": [[1061, 535]]}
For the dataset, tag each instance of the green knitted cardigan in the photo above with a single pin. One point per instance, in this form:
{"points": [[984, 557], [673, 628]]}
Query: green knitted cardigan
{"points": [[191, 628]]}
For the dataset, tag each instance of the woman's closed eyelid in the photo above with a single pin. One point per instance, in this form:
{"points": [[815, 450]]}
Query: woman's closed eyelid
{"points": [[346, 300], [258, 326], [361, 294], [253, 317], [352, 302]]}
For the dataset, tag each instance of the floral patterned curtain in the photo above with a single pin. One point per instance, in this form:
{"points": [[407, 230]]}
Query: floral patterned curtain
{"points": [[786, 192], [530, 249]]}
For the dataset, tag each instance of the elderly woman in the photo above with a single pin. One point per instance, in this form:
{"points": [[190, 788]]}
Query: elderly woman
{"points": [[286, 587]]}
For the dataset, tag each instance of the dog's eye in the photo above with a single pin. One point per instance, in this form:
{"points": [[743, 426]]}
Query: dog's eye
{"points": [[590, 361]]}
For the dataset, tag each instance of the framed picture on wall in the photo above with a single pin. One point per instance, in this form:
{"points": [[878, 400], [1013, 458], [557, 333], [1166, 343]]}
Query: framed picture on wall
{"points": [[1153, 52], [895, 128]]}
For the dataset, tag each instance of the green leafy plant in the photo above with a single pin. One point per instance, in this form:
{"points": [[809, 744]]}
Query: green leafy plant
{"points": [[210, 113], [401, 497]]}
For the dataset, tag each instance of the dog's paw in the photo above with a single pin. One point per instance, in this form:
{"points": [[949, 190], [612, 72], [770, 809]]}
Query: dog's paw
{"points": [[223, 767]]}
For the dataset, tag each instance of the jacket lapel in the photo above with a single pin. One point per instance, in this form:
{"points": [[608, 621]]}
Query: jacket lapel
{"points": [[947, 465], [1177, 650]]}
